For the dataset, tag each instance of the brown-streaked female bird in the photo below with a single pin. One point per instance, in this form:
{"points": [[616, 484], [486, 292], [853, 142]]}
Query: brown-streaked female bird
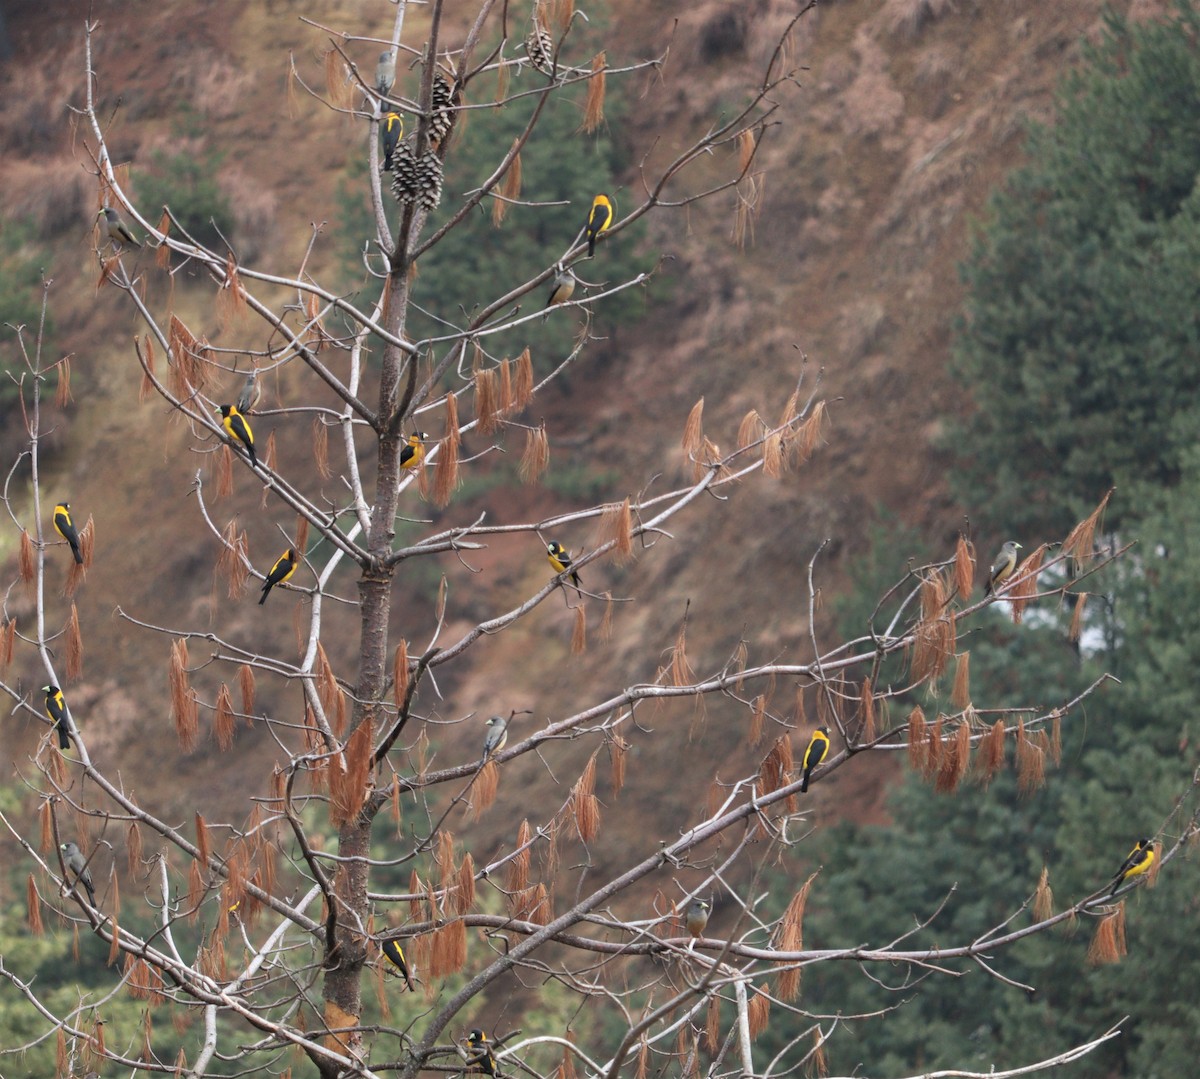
{"points": [[563, 288], [814, 754], [56, 709], [395, 955], [65, 527], [481, 1055], [1002, 567], [116, 229], [696, 917], [414, 453], [599, 219], [1138, 861], [77, 864], [237, 427], [391, 131], [561, 560], [285, 566]]}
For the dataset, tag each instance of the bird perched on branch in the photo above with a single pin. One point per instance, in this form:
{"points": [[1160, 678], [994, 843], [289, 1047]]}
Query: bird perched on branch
{"points": [[414, 453], [285, 566], [116, 229], [561, 560], [1138, 861], [385, 72], [1002, 567], [395, 955], [496, 737], [818, 747], [237, 427], [392, 131], [56, 709], [563, 288], [65, 527], [599, 219], [251, 393], [481, 1055], [696, 917], [77, 864]]}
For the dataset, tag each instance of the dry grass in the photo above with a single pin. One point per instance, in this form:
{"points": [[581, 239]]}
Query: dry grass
{"points": [[907, 18]]}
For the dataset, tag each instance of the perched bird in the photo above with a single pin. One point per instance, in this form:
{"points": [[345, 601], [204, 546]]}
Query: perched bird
{"points": [[599, 219], [285, 566], [65, 527], [77, 864], [1140, 859], [116, 229], [56, 709], [696, 917], [391, 948], [392, 130], [414, 453], [1006, 562], [496, 736], [818, 746], [563, 288], [238, 429], [385, 72], [251, 393], [481, 1053], [561, 560]]}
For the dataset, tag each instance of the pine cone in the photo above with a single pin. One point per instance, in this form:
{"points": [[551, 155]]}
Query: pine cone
{"points": [[406, 174], [429, 180], [540, 49]]}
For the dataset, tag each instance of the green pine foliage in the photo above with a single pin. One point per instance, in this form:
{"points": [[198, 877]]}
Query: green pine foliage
{"points": [[1080, 347]]}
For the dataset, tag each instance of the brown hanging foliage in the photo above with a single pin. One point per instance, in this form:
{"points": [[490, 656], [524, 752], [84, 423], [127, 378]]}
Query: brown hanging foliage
{"points": [[464, 888], [758, 1012], [682, 673], [8, 640], [750, 429], [400, 674], [693, 431], [327, 687], [537, 454], [62, 393], [1080, 544], [502, 79], [183, 701], [187, 370], [523, 380], [518, 866], [790, 938], [867, 704], [1054, 745], [223, 721], [616, 527], [203, 845], [246, 685], [643, 1058], [934, 636], [1108, 945], [918, 747], [337, 86], [964, 567], [320, 443], [1076, 627], [989, 757], [46, 819], [61, 1066], [776, 766], [195, 892], [114, 947], [584, 805], [231, 564], [808, 435], [1031, 762], [955, 759], [960, 694], [509, 188], [162, 255], [606, 622], [1043, 897], [772, 455], [445, 473], [231, 296], [25, 561], [449, 950], [593, 107], [147, 386], [33, 908], [712, 1024], [348, 781], [618, 750], [74, 646], [487, 397], [1020, 593], [133, 848], [224, 465], [579, 632]]}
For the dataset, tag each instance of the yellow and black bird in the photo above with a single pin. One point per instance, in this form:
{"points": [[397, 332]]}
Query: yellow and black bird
{"points": [[395, 954], [562, 290], [818, 747], [1139, 861], [392, 131], [599, 219], [561, 560], [1002, 567], [237, 427], [481, 1055], [65, 527], [56, 709], [696, 917], [285, 566], [414, 453], [116, 229]]}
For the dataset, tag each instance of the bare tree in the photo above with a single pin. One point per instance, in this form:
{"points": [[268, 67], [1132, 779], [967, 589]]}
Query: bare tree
{"points": [[293, 946]]}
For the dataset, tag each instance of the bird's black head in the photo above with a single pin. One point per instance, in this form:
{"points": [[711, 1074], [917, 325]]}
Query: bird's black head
{"points": [[1143, 843], [50, 691], [476, 1036], [554, 547], [224, 409]]}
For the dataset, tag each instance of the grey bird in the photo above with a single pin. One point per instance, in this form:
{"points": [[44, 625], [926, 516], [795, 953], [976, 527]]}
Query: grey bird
{"points": [[115, 228], [562, 289], [77, 864], [1002, 567], [497, 735], [251, 393], [385, 72], [696, 917]]}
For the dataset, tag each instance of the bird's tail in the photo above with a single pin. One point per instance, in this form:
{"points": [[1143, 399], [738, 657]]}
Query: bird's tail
{"points": [[90, 891], [1115, 885], [591, 244], [575, 578], [266, 592], [64, 739], [804, 782], [77, 553]]}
